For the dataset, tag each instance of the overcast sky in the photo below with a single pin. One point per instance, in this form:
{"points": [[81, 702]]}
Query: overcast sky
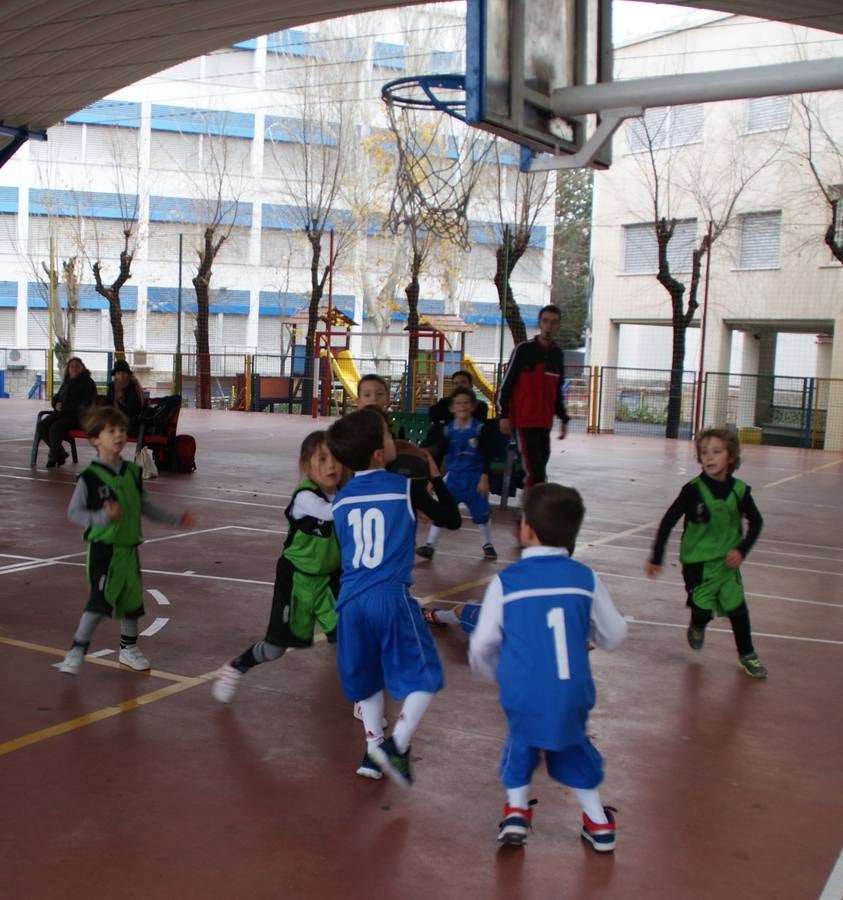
{"points": [[633, 19]]}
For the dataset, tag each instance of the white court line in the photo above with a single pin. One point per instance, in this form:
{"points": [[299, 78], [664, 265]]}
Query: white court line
{"points": [[100, 653], [159, 597], [833, 889], [782, 637], [758, 548], [681, 588], [157, 624]]}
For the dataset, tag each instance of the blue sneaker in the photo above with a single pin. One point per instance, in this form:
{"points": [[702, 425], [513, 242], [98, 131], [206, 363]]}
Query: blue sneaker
{"points": [[393, 764], [601, 837], [516, 824]]}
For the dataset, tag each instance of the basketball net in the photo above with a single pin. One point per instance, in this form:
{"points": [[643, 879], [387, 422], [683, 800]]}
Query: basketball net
{"points": [[439, 162]]}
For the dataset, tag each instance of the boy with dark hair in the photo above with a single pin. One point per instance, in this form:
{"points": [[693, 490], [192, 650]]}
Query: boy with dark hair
{"points": [[440, 413], [372, 390], [468, 455], [713, 547], [108, 502], [382, 639], [531, 393], [533, 633]]}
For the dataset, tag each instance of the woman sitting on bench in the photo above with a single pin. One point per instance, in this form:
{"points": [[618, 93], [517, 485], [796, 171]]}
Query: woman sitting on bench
{"points": [[126, 393], [77, 392]]}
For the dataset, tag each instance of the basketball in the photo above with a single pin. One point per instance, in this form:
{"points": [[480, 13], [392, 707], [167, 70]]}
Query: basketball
{"points": [[410, 460]]}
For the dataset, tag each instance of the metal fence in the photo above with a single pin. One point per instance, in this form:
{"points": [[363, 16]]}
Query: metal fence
{"points": [[778, 410]]}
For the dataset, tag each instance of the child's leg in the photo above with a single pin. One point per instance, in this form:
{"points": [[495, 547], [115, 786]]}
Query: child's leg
{"points": [[130, 654], [85, 629], [415, 706], [517, 764], [591, 804], [433, 535], [260, 652], [371, 710], [741, 629]]}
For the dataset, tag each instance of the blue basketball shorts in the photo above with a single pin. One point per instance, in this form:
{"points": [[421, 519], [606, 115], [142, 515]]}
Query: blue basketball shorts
{"points": [[577, 766], [383, 642], [463, 488]]}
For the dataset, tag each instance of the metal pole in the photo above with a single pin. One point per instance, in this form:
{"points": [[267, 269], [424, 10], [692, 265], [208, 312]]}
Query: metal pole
{"points": [[702, 335], [700, 87], [51, 304], [177, 366], [504, 300]]}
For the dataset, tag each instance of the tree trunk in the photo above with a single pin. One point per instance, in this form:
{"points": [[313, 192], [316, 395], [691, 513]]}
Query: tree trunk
{"points": [[112, 295], [506, 258], [674, 398], [202, 283], [311, 368]]}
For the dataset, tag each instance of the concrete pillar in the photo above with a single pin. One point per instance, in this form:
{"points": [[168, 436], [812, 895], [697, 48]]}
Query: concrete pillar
{"points": [[605, 355], [718, 352], [748, 390], [766, 380], [834, 418]]}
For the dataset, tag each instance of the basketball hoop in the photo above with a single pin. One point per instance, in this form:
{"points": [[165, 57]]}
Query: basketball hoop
{"points": [[439, 161]]}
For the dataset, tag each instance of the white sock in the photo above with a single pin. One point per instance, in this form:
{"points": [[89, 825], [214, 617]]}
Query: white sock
{"points": [[447, 617], [519, 797], [372, 711], [433, 535], [591, 805], [485, 533], [412, 711]]}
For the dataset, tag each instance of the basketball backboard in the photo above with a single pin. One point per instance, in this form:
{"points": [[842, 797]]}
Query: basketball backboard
{"points": [[518, 52]]}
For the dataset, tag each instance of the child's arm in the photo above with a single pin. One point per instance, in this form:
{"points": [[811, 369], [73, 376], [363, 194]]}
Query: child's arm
{"points": [[754, 523], [441, 509], [485, 642], [608, 626], [309, 504], [677, 509], [80, 512], [155, 513]]}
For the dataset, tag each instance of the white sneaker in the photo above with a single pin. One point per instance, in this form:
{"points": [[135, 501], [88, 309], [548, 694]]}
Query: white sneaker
{"points": [[73, 661], [133, 657], [225, 684], [358, 714]]}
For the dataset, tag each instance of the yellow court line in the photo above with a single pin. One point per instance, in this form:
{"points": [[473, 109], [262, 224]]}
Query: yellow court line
{"points": [[106, 713], [828, 465]]}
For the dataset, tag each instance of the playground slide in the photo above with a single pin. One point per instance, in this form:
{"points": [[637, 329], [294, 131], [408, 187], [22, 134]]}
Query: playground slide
{"points": [[345, 371], [479, 379]]}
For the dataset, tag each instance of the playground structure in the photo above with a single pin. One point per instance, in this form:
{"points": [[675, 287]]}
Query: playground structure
{"points": [[479, 380]]}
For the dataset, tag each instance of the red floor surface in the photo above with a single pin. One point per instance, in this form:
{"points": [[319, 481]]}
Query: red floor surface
{"points": [[140, 786]]}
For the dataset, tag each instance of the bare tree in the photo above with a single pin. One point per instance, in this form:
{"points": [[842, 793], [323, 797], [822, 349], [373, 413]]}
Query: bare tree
{"points": [[822, 151], [313, 167], [64, 319], [125, 178], [520, 198], [678, 176]]}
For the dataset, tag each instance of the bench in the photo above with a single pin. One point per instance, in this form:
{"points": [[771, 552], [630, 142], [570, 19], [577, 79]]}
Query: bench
{"points": [[275, 390], [142, 439]]}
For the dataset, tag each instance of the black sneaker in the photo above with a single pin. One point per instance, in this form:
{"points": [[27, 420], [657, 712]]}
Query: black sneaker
{"points": [[751, 664], [393, 764], [489, 552], [426, 551], [696, 637], [369, 768]]}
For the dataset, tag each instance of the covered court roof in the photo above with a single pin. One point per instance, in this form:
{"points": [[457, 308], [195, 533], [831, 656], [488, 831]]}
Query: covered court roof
{"points": [[59, 56]]}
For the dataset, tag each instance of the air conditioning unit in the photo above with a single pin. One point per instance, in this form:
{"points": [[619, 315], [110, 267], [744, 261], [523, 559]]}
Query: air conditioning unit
{"points": [[139, 359], [15, 359]]}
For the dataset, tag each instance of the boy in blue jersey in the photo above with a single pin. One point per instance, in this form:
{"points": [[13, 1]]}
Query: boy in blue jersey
{"points": [[468, 455], [382, 639], [537, 621]]}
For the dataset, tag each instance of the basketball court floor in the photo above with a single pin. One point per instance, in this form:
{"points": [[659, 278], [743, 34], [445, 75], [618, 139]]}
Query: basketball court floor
{"points": [[142, 786]]}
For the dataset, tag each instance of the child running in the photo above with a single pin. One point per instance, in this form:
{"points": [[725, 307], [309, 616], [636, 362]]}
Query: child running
{"points": [[108, 502], [307, 572], [712, 547], [536, 622], [382, 640], [468, 454]]}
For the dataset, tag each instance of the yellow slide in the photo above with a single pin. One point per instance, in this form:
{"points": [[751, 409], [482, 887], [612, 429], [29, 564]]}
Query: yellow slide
{"points": [[479, 379], [345, 371]]}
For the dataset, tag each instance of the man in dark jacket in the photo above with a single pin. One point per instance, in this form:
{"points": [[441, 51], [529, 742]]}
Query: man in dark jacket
{"points": [[531, 394]]}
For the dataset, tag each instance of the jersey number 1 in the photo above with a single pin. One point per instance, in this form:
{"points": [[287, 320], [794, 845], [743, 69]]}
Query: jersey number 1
{"points": [[368, 531], [556, 623]]}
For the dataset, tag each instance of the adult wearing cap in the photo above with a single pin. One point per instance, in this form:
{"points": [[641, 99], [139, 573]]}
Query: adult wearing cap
{"points": [[125, 393]]}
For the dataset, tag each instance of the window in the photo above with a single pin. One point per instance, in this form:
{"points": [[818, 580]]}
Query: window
{"points": [[672, 126], [640, 250], [767, 114], [759, 240]]}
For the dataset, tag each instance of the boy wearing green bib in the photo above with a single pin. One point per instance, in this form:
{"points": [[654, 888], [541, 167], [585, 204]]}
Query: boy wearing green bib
{"points": [[108, 502], [713, 545]]}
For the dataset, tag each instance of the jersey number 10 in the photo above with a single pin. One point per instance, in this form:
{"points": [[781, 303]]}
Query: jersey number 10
{"points": [[368, 530]]}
